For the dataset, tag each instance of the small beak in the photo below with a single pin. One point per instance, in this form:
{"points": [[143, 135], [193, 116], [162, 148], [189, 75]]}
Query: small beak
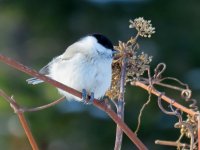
{"points": [[114, 53]]}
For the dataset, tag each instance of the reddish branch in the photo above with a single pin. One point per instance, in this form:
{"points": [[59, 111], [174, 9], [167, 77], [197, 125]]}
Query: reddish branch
{"points": [[22, 119], [27, 131], [165, 98], [98, 104]]}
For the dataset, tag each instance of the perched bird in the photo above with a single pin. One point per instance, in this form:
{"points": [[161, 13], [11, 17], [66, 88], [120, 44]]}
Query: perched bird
{"points": [[84, 66]]}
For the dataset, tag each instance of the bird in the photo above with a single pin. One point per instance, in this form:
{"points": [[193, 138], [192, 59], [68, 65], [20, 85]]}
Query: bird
{"points": [[86, 66]]}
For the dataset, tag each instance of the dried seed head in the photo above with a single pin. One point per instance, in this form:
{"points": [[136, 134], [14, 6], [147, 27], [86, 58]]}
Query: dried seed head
{"points": [[144, 27]]}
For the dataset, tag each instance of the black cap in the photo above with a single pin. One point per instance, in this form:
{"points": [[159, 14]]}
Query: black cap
{"points": [[103, 40]]}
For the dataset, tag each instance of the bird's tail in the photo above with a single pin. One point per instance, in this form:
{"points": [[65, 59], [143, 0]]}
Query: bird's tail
{"points": [[34, 81]]}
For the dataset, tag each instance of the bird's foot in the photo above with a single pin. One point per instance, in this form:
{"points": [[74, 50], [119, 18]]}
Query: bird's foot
{"points": [[87, 99]]}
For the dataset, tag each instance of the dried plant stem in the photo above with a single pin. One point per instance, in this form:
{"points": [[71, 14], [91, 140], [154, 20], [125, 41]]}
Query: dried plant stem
{"points": [[169, 86], [171, 143], [120, 106], [44, 106], [165, 98], [22, 119], [96, 102], [141, 111]]}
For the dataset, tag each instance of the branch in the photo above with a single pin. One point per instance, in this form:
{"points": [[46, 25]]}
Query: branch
{"points": [[43, 106], [120, 105], [171, 143], [165, 98], [74, 92], [22, 119]]}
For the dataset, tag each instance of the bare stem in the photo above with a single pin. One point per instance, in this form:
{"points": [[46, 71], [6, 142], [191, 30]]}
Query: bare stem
{"points": [[120, 106], [22, 119], [96, 102], [171, 143], [169, 86], [44, 106], [141, 112]]}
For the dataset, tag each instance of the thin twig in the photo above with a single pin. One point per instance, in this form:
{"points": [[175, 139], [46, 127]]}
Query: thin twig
{"points": [[10, 100], [171, 143], [169, 86], [146, 103], [163, 109], [44, 106], [22, 119], [120, 105], [140, 113], [74, 92], [176, 80]]}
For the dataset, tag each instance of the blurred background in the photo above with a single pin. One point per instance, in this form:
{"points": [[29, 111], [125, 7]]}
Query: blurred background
{"points": [[33, 32]]}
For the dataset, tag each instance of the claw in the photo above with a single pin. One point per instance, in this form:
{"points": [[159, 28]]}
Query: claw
{"points": [[86, 98], [91, 99]]}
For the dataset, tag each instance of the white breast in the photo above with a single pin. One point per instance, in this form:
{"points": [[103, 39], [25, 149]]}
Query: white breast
{"points": [[80, 72]]}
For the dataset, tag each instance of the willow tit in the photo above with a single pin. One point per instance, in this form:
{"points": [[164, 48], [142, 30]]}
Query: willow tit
{"points": [[84, 66]]}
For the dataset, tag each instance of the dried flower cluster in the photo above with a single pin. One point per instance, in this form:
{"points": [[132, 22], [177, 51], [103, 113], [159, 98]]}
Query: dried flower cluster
{"points": [[144, 27], [136, 63]]}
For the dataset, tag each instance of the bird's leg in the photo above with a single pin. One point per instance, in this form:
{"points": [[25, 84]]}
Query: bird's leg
{"points": [[91, 98], [87, 99], [84, 95]]}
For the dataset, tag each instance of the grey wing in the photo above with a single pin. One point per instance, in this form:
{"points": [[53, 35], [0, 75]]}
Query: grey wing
{"points": [[44, 71], [71, 51]]}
